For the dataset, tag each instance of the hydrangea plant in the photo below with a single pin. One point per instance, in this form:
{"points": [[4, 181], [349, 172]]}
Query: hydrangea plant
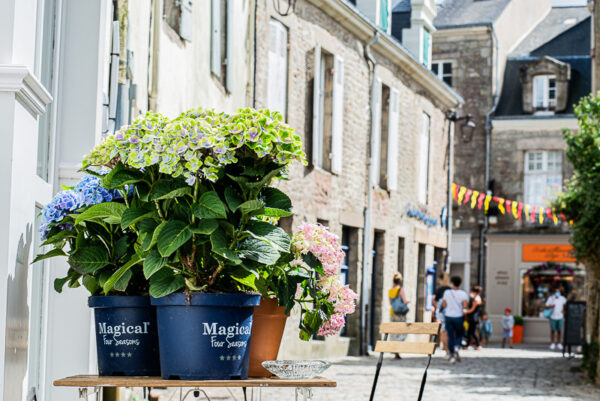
{"points": [[97, 247]]}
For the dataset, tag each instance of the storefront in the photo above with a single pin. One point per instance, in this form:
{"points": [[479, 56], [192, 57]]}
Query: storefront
{"points": [[521, 272]]}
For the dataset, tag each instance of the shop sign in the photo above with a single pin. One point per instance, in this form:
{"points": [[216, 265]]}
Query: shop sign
{"points": [[547, 253]]}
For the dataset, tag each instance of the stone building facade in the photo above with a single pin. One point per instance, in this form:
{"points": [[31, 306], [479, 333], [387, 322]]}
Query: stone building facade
{"points": [[336, 193]]}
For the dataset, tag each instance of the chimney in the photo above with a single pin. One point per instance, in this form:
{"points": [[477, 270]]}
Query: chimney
{"points": [[417, 38], [378, 11]]}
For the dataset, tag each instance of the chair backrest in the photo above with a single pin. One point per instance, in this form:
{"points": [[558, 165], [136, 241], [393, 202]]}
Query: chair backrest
{"points": [[407, 347]]}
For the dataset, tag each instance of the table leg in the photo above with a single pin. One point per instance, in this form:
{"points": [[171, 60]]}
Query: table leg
{"points": [[305, 393], [84, 393]]}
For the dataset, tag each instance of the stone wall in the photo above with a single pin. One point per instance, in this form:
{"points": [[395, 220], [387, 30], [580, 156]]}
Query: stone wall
{"points": [[507, 168], [470, 51], [340, 200]]}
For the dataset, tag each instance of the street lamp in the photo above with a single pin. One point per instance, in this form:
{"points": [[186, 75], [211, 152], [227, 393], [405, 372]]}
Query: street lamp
{"points": [[467, 128]]}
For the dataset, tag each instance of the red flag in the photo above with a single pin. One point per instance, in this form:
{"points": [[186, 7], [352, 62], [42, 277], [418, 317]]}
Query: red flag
{"points": [[549, 213], [455, 191], [480, 201], [533, 214], [562, 216], [467, 196], [519, 210], [508, 202]]}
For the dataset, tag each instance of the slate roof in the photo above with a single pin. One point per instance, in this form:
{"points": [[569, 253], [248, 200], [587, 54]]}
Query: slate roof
{"points": [[558, 21], [456, 13], [569, 43]]}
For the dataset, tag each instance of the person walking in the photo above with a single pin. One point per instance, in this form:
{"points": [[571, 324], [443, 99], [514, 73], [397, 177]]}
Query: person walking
{"points": [[473, 317], [455, 303], [485, 328], [397, 291], [508, 322], [439, 311], [556, 302]]}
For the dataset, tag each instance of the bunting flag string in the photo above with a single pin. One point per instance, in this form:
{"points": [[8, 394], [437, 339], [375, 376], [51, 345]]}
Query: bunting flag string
{"points": [[518, 210]]}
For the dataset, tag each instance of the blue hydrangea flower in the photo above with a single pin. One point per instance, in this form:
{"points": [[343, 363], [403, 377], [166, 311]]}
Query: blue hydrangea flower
{"points": [[62, 204], [91, 191]]}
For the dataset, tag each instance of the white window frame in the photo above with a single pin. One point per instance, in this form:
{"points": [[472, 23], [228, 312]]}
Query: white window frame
{"points": [[278, 67], [534, 176], [215, 42], [440, 70], [541, 83], [424, 149]]}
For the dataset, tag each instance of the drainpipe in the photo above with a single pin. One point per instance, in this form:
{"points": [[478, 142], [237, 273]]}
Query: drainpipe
{"points": [[488, 138], [113, 85], [368, 209], [451, 122], [154, 59]]}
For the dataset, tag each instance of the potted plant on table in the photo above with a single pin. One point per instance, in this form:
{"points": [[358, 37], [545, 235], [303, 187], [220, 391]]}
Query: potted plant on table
{"points": [[202, 186], [83, 223]]}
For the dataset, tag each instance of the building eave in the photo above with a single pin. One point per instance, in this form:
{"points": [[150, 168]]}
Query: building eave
{"points": [[353, 20], [531, 123], [27, 88]]}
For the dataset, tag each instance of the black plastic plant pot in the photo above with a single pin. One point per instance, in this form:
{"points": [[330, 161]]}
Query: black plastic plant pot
{"points": [[205, 336], [126, 336]]}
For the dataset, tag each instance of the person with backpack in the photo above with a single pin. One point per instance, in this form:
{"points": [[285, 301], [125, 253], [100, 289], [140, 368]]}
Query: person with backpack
{"points": [[399, 306], [455, 303]]}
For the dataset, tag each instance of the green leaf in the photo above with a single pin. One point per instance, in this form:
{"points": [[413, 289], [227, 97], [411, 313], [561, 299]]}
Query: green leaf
{"points": [[58, 237], [112, 281], [259, 251], [209, 206], [252, 206], [133, 215], [155, 235], [110, 212], [89, 259], [232, 198], [228, 254], [273, 235], [245, 278], [120, 248], [205, 226], [153, 263], [277, 203], [90, 283], [123, 282], [50, 254], [218, 239], [165, 282], [169, 189], [59, 283], [172, 236], [117, 178]]}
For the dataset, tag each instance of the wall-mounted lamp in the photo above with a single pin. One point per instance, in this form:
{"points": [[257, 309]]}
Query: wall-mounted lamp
{"points": [[467, 127]]}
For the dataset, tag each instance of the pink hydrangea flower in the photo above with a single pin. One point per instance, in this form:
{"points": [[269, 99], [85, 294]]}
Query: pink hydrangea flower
{"points": [[333, 325], [322, 243]]}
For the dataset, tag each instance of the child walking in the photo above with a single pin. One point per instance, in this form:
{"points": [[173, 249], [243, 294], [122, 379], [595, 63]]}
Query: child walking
{"points": [[508, 322], [485, 328]]}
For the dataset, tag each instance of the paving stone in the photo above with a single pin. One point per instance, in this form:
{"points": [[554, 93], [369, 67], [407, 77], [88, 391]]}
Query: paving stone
{"points": [[492, 374]]}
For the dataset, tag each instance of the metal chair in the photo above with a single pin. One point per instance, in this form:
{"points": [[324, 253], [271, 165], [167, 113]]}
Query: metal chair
{"points": [[406, 347]]}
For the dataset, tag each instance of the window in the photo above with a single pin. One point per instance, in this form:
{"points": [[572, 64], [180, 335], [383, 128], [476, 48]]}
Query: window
{"points": [[277, 85], [221, 56], [46, 74], [537, 284], [426, 57], [178, 15], [443, 70], [401, 256], [328, 109], [543, 176], [385, 157], [544, 93], [423, 180]]}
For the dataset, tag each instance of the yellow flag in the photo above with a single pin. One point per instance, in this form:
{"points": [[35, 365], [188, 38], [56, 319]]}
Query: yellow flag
{"points": [[488, 198], [501, 205], [514, 208], [541, 215], [461, 194], [527, 211], [474, 199]]}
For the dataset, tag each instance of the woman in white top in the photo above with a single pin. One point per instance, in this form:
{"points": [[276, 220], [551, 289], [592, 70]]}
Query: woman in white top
{"points": [[455, 303]]}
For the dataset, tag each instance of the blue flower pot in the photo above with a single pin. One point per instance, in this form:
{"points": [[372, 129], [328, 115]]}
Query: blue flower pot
{"points": [[205, 336], [126, 335]]}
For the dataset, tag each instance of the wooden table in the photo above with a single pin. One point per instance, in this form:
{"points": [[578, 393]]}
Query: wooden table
{"points": [[83, 382]]}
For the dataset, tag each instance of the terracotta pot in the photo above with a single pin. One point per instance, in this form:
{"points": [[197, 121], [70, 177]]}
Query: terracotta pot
{"points": [[267, 330], [517, 334]]}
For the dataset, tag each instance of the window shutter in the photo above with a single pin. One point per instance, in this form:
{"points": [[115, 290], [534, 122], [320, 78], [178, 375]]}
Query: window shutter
{"points": [[215, 38], [392, 154], [277, 79], [375, 157], [424, 159], [230, 59], [316, 128], [337, 128]]}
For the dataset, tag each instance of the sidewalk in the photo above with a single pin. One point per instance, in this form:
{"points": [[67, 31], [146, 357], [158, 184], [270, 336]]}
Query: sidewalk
{"points": [[532, 373]]}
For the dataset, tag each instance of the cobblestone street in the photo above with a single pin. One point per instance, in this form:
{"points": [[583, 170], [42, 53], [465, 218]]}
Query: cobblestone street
{"points": [[491, 374]]}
